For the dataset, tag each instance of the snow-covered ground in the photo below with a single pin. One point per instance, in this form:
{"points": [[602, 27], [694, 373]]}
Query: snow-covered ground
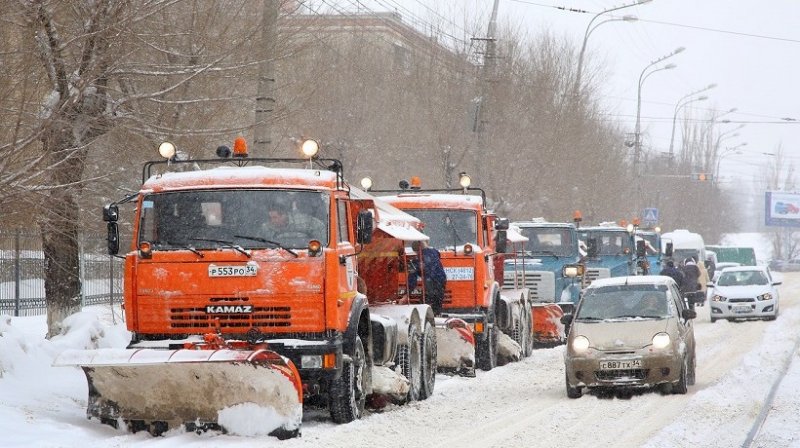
{"points": [[739, 365]]}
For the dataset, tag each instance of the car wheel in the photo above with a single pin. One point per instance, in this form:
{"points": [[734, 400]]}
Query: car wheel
{"points": [[682, 385], [572, 392]]}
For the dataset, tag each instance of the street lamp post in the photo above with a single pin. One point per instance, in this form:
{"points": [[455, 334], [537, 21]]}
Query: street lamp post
{"points": [[590, 28], [637, 142], [681, 103], [727, 152]]}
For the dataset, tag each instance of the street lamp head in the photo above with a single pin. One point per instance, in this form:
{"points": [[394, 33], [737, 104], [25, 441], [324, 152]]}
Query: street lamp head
{"points": [[629, 18], [701, 98], [678, 50], [642, 2], [669, 66], [711, 86]]}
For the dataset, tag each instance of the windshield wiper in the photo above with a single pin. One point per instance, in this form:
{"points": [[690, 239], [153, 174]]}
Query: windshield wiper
{"points": [[264, 240], [185, 246], [226, 244], [546, 252]]}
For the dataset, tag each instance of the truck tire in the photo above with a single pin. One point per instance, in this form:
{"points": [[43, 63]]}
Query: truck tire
{"points": [[348, 393], [409, 358], [429, 352], [486, 347]]}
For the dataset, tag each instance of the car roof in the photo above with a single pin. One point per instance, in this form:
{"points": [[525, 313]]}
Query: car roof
{"points": [[632, 280], [744, 268]]}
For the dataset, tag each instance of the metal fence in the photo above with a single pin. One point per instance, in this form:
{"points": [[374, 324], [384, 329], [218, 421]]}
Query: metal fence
{"points": [[22, 273]]}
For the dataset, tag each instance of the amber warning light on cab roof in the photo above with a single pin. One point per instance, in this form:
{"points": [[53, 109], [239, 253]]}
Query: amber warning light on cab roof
{"points": [[239, 149]]}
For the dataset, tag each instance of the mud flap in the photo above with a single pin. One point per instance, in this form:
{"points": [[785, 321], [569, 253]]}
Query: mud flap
{"points": [[198, 387], [455, 347], [547, 326]]}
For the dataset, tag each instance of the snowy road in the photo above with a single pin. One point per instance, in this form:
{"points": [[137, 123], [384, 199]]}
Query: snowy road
{"points": [[524, 404]]}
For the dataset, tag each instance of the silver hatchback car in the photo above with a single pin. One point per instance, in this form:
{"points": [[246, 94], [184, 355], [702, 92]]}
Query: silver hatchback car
{"points": [[630, 332]]}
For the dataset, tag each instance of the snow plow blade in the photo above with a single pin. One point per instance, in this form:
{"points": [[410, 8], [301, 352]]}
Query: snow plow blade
{"points": [[547, 327], [455, 347], [150, 388]]}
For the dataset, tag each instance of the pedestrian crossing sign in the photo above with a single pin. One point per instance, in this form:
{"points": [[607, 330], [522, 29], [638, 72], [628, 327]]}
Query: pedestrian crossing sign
{"points": [[650, 215]]}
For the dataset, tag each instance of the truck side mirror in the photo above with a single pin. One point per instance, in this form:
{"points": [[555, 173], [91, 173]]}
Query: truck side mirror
{"points": [[641, 249], [364, 227], [591, 247], [669, 249], [501, 241], [113, 238], [111, 213]]}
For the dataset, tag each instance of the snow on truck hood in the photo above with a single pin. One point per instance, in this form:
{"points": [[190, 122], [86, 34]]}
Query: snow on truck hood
{"points": [[392, 220]]}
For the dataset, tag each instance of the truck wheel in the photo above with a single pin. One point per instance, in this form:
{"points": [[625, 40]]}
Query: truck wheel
{"points": [[486, 349], [348, 392], [410, 361], [429, 351]]}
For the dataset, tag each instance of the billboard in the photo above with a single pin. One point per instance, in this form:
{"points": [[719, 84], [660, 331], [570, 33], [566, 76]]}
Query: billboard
{"points": [[782, 209]]}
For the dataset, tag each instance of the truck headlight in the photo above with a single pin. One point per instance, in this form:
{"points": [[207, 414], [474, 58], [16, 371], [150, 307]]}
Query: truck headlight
{"points": [[580, 344], [765, 296], [311, 361], [661, 340]]}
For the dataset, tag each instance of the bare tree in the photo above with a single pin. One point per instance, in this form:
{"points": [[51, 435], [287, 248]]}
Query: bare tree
{"points": [[109, 78]]}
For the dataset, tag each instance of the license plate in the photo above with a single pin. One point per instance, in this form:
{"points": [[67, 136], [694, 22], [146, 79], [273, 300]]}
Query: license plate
{"points": [[742, 309], [623, 364], [245, 270]]}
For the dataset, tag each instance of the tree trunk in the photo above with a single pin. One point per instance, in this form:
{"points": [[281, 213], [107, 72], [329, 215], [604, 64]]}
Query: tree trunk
{"points": [[59, 226]]}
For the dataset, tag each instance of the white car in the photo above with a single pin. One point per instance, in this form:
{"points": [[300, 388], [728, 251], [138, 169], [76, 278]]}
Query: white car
{"points": [[744, 292]]}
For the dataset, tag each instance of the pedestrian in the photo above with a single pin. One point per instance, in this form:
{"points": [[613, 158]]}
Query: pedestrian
{"points": [[434, 276], [691, 281], [671, 271]]}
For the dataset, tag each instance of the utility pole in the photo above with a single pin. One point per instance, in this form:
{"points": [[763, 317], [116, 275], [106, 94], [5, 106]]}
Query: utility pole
{"points": [[487, 76], [265, 101]]}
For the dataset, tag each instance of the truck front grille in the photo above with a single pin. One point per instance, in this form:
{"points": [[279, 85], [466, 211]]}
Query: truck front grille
{"points": [[261, 317]]}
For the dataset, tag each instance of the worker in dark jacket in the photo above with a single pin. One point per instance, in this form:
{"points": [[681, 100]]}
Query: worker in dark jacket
{"points": [[434, 275], [671, 271], [691, 281]]}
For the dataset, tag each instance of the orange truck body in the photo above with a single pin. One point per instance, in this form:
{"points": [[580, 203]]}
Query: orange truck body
{"points": [[320, 303], [473, 290]]}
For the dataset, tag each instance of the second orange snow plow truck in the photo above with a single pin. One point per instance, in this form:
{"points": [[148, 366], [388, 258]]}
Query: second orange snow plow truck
{"points": [[252, 285], [471, 240]]}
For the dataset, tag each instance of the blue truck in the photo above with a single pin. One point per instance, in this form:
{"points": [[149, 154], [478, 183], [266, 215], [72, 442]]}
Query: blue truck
{"points": [[549, 248], [611, 251]]}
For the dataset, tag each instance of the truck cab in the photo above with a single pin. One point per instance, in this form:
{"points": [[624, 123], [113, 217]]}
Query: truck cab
{"points": [[467, 236], [610, 251], [549, 248]]}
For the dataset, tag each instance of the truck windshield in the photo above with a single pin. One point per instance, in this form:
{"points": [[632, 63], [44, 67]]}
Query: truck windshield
{"points": [[549, 241], [247, 219], [612, 242], [448, 228]]}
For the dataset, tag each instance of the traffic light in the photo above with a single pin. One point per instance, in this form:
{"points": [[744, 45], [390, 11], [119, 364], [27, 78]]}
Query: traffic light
{"points": [[702, 177]]}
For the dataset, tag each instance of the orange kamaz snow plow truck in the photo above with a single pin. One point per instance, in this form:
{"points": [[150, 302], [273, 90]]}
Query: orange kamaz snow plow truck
{"points": [[469, 238], [253, 285]]}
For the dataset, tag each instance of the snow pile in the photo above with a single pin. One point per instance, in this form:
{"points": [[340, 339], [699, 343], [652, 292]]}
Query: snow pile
{"points": [[508, 350], [250, 419], [730, 405], [386, 381]]}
